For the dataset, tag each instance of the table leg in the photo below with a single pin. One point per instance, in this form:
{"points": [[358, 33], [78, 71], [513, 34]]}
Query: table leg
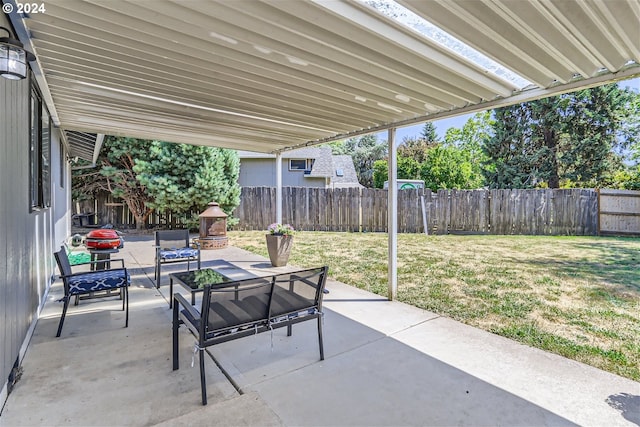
{"points": [[106, 258]]}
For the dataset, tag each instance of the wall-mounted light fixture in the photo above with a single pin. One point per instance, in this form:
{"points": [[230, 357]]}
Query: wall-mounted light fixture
{"points": [[13, 58]]}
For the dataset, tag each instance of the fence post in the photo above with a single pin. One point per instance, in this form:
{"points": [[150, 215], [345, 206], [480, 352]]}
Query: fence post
{"points": [[424, 214], [598, 212]]}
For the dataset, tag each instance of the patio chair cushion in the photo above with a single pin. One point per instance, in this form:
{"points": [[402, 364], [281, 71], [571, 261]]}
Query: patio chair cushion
{"points": [[285, 305], [174, 246], [80, 283], [285, 301], [178, 253], [98, 281]]}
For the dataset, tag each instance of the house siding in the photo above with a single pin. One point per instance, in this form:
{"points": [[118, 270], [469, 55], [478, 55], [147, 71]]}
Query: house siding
{"points": [[262, 173], [27, 239]]}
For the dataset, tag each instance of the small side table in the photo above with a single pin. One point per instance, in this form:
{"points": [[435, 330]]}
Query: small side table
{"points": [[194, 281]]}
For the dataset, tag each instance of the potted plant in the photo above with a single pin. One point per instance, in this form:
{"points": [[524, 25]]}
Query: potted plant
{"points": [[279, 243]]}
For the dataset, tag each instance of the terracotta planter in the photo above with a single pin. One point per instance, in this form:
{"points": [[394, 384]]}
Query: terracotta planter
{"points": [[279, 248]]}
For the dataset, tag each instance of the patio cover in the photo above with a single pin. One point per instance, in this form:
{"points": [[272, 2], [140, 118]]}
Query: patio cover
{"points": [[83, 145], [273, 75]]}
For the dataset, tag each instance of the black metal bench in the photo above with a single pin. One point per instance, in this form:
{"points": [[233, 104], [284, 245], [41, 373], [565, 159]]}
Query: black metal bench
{"points": [[241, 308]]}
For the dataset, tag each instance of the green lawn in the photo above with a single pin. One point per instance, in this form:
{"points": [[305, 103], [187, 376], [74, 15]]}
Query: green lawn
{"points": [[575, 296]]}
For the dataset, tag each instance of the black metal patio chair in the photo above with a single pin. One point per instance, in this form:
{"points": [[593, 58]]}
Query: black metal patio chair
{"points": [[173, 246], [87, 282]]}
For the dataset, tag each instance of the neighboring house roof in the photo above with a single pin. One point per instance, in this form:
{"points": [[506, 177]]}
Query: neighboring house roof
{"points": [[344, 163], [322, 165], [325, 164]]}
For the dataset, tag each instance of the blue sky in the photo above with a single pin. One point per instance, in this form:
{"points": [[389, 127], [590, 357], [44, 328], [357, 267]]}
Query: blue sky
{"points": [[459, 121]]}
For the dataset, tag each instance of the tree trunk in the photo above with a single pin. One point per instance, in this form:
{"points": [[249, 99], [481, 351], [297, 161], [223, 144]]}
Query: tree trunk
{"points": [[551, 141], [140, 212]]}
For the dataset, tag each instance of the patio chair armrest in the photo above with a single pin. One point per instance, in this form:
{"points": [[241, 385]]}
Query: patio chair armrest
{"points": [[101, 261], [121, 260], [180, 299]]}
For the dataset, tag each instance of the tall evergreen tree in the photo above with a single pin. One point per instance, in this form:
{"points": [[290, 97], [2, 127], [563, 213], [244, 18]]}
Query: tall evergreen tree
{"points": [[429, 133], [510, 161], [157, 175], [570, 138], [184, 178]]}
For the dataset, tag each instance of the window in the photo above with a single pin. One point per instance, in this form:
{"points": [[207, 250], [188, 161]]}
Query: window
{"points": [[45, 155], [300, 164], [297, 164], [62, 165], [34, 156], [39, 153]]}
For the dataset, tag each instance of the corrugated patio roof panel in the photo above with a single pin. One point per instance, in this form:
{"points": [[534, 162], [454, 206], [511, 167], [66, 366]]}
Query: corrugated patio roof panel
{"points": [[82, 144], [544, 41], [276, 74]]}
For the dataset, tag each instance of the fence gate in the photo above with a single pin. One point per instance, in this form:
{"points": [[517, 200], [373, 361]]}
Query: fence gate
{"points": [[619, 212]]}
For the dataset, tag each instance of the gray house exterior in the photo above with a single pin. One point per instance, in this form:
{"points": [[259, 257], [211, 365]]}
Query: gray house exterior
{"points": [[304, 167], [35, 206]]}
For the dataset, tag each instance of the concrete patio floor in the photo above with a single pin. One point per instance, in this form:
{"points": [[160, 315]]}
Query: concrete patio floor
{"points": [[386, 364]]}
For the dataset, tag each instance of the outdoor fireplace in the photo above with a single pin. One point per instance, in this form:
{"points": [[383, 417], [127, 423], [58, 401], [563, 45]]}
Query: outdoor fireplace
{"points": [[213, 228]]}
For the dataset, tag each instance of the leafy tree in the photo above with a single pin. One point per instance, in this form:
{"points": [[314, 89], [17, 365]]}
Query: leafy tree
{"points": [[629, 175], [86, 182], [337, 147], [448, 167], [476, 130], [150, 175], [444, 167], [380, 173], [415, 148], [626, 179], [470, 138], [569, 138], [364, 151], [407, 168], [116, 163]]}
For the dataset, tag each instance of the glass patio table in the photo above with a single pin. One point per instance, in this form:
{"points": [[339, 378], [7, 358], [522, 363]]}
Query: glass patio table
{"points": [[195, 281]]}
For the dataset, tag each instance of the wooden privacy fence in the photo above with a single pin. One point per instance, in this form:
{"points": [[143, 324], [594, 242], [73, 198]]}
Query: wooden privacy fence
{"points": [[105, 209], [544, 212]]}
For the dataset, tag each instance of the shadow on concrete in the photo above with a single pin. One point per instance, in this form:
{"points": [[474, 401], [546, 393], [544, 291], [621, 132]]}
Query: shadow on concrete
{"points": [[627, 404]]}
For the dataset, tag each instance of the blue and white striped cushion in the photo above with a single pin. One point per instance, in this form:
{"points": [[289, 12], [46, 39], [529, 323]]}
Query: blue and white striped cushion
{"points": [[98, 281], [178, 253]]}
